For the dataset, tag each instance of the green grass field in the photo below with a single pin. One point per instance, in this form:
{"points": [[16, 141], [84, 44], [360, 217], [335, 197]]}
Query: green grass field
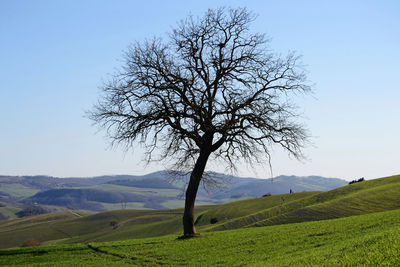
{"points": [[366, 240], [18, 190], [9, 210], [136, 190], [357, 224], [355, 199]]}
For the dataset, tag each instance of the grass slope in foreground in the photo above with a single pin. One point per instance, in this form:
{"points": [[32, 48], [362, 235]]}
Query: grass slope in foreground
{"points": [[371, 239], [355, 199]]}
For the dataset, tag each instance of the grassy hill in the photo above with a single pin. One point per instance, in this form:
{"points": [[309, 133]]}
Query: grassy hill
{"points": [[73, 227], [366, 240], [358, 198], [70, 227], [151, 191]]}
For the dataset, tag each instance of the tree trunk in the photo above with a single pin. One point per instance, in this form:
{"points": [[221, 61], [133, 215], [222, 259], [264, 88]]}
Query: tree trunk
{"points": [[191, 192]]}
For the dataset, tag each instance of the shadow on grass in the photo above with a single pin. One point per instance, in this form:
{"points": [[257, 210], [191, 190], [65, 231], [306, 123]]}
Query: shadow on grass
{"points": [[185, 237]]}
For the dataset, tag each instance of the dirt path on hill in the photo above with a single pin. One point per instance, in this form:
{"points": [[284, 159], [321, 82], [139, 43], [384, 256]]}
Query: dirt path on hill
{"points": [[76, 214]]}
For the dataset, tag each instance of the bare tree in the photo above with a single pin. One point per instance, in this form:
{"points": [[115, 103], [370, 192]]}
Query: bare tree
{"points": [[214, 89]]}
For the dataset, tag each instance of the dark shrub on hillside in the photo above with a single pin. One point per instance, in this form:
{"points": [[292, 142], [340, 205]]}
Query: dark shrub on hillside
{"points": [[30, 243], [213, 220], [267, 195], [114, 224], [357, 181], [31, 210]]}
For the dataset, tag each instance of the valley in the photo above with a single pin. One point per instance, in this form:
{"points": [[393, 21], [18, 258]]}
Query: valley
{"points": [[33, 195]]}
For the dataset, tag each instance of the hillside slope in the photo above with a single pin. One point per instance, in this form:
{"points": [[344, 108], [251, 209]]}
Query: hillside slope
{"points": [[151, 191], [359, 198], [366, 240]]}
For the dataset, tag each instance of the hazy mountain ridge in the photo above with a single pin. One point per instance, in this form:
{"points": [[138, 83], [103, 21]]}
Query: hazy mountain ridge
{"points": [[84, 198], [147, 191]]}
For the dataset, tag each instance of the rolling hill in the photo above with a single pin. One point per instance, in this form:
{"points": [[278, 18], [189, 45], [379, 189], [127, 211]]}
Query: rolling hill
{"points": [[365, 240], [70, 227], [152, 191], [355, 199]]}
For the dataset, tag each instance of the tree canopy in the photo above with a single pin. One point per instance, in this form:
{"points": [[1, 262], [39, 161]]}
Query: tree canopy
{"points": [[212, 89]]}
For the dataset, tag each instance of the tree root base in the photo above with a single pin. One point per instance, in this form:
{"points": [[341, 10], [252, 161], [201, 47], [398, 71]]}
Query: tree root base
{"points": [[183, 237]]}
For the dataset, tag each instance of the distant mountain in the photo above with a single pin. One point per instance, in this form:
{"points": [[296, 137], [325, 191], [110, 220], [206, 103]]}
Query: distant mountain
{"points": [[252, 187], [151, 191], [145, 183], [88, 199]]}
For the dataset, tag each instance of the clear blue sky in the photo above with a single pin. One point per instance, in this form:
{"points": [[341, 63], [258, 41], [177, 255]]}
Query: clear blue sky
{"points": [[55, 54]]}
